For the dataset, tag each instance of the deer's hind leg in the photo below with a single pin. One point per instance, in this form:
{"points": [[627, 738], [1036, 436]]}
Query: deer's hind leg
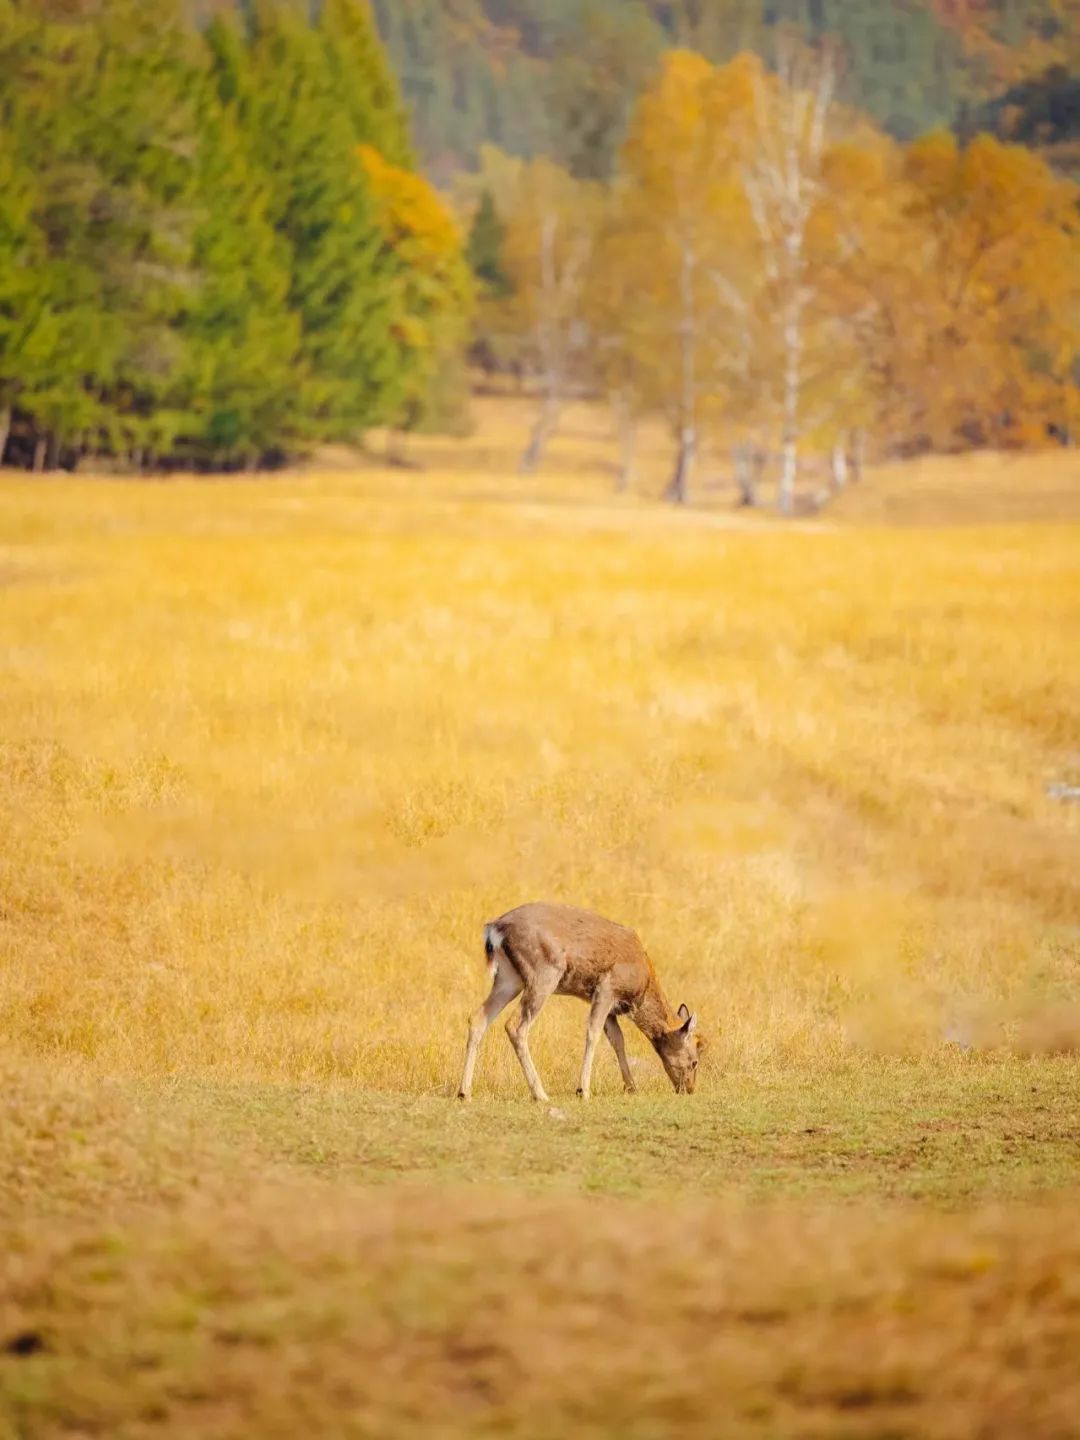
{"points": [[539, 988], [506, 983]]}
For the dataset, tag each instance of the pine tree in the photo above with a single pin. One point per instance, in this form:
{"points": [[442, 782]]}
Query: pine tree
{"points": [[364, 82], [303, 142], [20, 245], [487, 236], [21, 242], [244, 341], [600, 65], [213, 246], [98, 357]]}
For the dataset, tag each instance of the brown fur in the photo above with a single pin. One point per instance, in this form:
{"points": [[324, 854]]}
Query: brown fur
{"points": [[539, 950]]}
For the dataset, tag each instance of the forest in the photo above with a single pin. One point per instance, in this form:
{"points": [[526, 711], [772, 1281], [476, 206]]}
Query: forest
{"points": [[231, 233], [775, 275], [215, 248], [560, 77]]}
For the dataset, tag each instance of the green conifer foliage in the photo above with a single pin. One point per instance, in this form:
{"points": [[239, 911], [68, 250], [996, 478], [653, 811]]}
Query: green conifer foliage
{"points": [[101, 117], [487, 236], [193, 265], [557, 76], [244, 339], [365, 85], [319, 201]]}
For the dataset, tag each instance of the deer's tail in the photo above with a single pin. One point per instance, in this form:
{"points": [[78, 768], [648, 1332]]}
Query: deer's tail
{"points": [[493, 943]]}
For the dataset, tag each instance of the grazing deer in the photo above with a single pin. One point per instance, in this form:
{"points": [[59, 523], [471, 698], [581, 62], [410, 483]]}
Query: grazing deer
{"points": [[542, 950]]}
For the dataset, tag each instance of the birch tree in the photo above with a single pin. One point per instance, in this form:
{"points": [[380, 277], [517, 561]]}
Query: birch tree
{"points": [[783, 186], [551, 230], [685, 203]]}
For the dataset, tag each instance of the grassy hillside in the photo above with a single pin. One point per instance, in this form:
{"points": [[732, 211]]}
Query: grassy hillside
{"points": [[272, 751]]}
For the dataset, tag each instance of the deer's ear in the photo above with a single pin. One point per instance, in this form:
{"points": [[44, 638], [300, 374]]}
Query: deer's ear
{"points": [[690, 1026], [684, 1013]]}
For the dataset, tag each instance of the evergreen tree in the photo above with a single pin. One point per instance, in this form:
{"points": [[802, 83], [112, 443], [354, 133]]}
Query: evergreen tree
{"points": [[364, 83], [244, 340], [487, 236], [200, 259], [98, 359], [21, 243], [557, 76], [320, 202], [601, 62]]}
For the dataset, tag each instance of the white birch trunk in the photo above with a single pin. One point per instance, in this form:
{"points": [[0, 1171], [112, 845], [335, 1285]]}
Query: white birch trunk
{"points": [[782, 190], [627, 431], [678, 491], [839, 467], [561, 279]]}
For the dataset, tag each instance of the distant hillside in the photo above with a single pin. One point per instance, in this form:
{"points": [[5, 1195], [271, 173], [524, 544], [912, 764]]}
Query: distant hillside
{"points": [[559, 76]]}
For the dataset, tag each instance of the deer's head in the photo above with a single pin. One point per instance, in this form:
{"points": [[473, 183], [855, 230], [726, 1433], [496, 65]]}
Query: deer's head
{"points": [[680, 1051]]}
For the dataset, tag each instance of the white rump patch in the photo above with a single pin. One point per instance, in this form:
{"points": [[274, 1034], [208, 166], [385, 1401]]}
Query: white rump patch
{"points": [[493, 939]]}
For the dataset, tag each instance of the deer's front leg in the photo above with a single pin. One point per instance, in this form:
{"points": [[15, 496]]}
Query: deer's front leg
{"points": [[599, 1011], [615, 1035]]}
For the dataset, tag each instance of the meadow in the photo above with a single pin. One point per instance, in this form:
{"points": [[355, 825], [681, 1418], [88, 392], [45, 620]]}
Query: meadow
{"points": [[273, 750]]}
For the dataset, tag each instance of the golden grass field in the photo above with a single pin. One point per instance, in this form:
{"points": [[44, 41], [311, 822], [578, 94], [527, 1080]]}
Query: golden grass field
{"points": [[271, 753]]}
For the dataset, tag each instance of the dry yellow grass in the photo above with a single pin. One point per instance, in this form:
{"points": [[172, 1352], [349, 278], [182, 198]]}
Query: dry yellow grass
{"points": [[271, 752]]}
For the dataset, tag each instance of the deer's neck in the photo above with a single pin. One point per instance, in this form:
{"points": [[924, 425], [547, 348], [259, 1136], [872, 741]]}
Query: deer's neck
{"points": [[652, 1014]]}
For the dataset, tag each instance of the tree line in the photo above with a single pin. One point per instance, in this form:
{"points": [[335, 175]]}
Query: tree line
{"points": [[215, 247], [777, 277]]}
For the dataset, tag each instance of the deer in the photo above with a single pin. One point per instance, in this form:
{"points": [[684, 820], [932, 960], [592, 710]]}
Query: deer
{"points": [[540, 950]]}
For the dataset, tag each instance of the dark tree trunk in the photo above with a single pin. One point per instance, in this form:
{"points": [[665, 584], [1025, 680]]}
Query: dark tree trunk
{"points": [[5, 430], [748, 465], [789, 477], [858, 455], [678, 492], [41, 450], [543, 432]]}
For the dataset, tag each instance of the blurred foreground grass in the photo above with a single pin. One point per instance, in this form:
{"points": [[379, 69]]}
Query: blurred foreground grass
{"points": [[253, 1260], [271, 752]]}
